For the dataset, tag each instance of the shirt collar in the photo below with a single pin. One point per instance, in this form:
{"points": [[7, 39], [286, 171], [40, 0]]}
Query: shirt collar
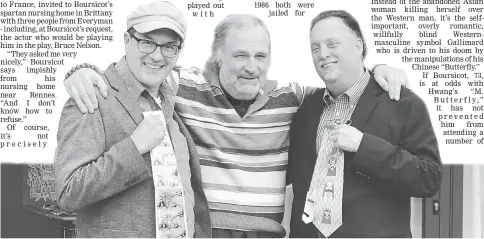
{"points": [[353, 94], [168, 86]]}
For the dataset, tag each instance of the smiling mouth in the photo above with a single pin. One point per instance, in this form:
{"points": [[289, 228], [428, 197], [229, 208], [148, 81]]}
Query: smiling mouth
{"points": [[329, 64], [153, 66], [249, 79]]}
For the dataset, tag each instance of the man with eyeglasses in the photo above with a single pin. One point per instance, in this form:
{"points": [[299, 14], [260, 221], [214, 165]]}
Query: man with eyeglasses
{"points": [[131, 169], [168, 50]]}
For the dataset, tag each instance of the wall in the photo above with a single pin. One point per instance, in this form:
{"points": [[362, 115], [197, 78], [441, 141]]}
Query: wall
{"points": [[473, 210], [416, 218]]}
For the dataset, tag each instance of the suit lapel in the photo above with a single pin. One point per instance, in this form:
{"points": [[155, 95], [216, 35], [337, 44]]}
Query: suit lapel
{"points": [[359, 118], [194, 158], [315, 110], [365, 106], [123, 96]]}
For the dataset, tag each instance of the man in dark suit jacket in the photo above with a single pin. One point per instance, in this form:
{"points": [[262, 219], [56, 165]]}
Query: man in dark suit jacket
{"points": [[390, 149]]}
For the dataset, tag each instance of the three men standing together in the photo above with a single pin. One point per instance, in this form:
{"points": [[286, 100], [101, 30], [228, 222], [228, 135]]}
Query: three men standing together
{"points": [[239, 122]]}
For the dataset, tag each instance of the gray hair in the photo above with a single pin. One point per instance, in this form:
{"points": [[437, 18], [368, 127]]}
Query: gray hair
{"points": [[221, 33]]}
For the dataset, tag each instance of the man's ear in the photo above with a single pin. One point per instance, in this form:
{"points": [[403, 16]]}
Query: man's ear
{"points": [[360, 46], [127, 38]]}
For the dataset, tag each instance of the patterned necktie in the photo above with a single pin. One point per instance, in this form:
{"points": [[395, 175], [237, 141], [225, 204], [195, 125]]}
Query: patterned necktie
{"points": [[326, 189], [169, 199]]}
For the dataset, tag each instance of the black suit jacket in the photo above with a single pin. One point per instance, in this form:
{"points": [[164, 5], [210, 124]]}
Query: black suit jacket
{"points": [[398, 158]]}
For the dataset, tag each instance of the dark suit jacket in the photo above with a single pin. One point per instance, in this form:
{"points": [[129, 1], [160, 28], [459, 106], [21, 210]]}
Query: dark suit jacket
{"points": [[398, 158], [102, 176]]}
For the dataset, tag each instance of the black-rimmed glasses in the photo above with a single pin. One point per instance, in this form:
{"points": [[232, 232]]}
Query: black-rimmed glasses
{"points": [[148, 47]]}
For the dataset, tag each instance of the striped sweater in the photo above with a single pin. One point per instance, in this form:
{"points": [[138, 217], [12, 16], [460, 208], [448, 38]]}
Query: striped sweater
{"points": [[243, 160]]}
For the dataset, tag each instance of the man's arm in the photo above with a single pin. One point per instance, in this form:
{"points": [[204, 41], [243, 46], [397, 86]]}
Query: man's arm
{"points": [[79, 84], [414, 166], [86, 171], [389, 78]]}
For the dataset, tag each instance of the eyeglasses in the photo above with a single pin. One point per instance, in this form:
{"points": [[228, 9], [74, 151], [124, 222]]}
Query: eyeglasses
{"points": [[148, 47]]}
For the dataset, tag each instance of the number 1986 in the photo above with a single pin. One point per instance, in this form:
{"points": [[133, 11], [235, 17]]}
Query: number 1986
{"points": [[261, 4]]}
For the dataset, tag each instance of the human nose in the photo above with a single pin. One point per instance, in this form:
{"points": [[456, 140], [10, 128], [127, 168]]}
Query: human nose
{"points": [[250, 65], [156, 54], [323, 52]]}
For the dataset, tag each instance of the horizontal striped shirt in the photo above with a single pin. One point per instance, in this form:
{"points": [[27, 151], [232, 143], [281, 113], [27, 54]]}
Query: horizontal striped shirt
{"points": [[243, 159]]}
